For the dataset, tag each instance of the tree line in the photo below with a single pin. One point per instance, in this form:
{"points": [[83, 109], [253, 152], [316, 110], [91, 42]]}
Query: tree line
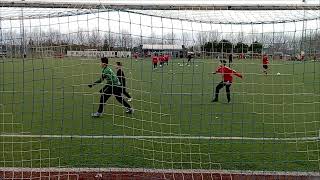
{"points": [[213, 41]]}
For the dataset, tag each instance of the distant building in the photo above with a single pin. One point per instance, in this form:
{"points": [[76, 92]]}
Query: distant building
{"points": [[173, 50]]}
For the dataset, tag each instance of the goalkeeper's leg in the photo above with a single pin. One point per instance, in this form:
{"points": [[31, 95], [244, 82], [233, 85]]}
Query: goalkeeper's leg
{"points": [[219, 86], [106, 92], [228, 92]]}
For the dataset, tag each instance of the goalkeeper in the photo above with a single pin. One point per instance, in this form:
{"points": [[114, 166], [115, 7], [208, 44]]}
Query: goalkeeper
{"points": [[112, 87], [226, 73]]}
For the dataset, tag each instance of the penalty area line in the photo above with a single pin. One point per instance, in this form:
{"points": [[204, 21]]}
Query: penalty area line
{"points": [[157, 137]]}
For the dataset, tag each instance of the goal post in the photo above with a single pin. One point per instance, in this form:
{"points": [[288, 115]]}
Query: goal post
{"points": [[221, 90]]}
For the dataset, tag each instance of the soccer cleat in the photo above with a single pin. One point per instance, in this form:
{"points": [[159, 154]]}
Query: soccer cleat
{"points": [[214, 100], [129, 99], [96, 114], [129, 110]]}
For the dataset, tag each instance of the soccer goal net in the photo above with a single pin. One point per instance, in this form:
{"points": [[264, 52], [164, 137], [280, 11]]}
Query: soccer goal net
{"points": [[153, 89]]}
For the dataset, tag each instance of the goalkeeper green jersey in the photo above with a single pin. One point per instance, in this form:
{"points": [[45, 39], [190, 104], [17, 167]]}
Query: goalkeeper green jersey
{"points": [[110, 76]]}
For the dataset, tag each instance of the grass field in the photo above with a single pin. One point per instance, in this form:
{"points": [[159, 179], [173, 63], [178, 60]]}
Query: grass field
{"points": [[172, 105]]}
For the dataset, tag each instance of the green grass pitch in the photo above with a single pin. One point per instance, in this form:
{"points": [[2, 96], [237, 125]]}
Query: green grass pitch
{"points": [[51, 97]]}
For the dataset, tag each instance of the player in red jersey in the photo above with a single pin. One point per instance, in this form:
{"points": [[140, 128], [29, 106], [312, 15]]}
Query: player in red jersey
{"points": [[226, 73], [265, 62], [155, 61], [161, 60], [135, 55]]}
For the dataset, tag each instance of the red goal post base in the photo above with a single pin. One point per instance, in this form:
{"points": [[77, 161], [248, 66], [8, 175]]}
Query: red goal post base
{"points": [[137, 174]]}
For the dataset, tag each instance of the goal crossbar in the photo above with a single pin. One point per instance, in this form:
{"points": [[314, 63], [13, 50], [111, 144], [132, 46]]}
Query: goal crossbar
{"points": [[163, 6]]}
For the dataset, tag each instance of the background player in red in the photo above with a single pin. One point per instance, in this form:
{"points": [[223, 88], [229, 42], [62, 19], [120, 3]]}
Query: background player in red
{"points": [[265, 62], [135, 55], [161, 60], [155, 61], [226, 73]]}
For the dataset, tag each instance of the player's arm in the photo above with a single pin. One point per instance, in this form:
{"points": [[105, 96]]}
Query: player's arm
{"points": [[237, 74], [103, 76], [218, 70]]}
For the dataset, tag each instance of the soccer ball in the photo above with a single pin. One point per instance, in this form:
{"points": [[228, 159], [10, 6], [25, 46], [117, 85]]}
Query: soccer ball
{"points": [[278, 74]]}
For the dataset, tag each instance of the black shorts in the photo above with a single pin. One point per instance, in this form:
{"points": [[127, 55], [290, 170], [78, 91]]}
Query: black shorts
{"points": [[265, 66]]}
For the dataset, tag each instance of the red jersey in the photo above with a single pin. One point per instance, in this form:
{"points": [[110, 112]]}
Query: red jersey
{"points": [[161, 58], [241, 56], [166, 57], [227, 73], [265, 60], [154, 59]]}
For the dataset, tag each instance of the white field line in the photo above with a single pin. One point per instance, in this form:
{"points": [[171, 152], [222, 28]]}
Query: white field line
{"points": [[144, 170], [158, 137]]}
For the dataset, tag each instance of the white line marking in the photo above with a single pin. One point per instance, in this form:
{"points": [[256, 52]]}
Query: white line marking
{"points": [[158, 137], [145, 170]]}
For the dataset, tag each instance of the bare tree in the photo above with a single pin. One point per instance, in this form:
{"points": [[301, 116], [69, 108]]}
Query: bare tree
{"points": [[254, 36], [187, 39], [240, 37], [169, 38], [125, 39], [110, 41], [95, 39], [53, 37], [153, 39], [136, 41], [201, 38], [82, 38]]}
